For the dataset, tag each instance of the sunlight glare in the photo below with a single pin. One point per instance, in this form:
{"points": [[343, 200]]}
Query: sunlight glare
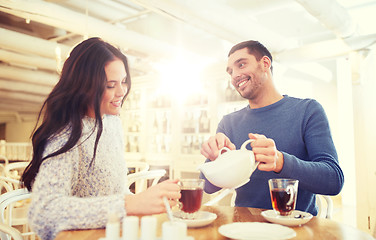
{"points": [[180, 78]]}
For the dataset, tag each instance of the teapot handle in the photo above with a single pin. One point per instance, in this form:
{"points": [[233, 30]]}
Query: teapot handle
{"points": [[246, 143], [221, 150]]}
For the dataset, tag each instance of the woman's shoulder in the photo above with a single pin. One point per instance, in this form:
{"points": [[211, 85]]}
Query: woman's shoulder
{"points": [[112, 121], [112, 118], [57, 140]]}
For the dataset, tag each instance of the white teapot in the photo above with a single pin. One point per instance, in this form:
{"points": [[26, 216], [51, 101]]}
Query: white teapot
{"points": [[231, 169]]}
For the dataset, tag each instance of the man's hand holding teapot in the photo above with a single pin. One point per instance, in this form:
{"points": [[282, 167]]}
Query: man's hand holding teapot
{"points": [[266, 153], [264, 149], [210, 148]]}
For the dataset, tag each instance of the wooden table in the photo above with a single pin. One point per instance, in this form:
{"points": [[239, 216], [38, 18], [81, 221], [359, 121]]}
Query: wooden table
{"points": [[316, 228]]}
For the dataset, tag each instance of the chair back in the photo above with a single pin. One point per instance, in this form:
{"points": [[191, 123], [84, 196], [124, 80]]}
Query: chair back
{"points": [[7, 232], [4, 160], [137, 166], [8, 184], [15, 170], [142, 177], [325, 209], [13, 210]]}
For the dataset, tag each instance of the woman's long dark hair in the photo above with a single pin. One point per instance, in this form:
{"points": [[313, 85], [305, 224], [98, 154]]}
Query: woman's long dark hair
{"points": [[81, 86]]}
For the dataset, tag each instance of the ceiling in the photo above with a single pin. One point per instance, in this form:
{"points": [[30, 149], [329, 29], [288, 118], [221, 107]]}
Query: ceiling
{"points": [[36, 35]]}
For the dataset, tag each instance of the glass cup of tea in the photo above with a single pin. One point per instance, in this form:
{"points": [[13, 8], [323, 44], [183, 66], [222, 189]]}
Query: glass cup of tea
{"points": [[191, 197], [283, 193]]}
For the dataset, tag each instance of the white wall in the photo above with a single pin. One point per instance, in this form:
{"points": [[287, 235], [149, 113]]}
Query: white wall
{"points": [[364, 95]]}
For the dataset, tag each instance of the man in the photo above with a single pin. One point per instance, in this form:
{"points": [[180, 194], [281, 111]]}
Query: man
{"points": [[293, 138]]}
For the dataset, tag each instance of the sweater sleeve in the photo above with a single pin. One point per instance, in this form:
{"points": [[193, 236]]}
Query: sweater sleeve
{"points": [[68, 194], [320, 173], [54, 209]]}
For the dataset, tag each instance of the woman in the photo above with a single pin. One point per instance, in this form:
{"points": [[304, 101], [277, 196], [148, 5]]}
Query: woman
{"points": [[78, 174]]}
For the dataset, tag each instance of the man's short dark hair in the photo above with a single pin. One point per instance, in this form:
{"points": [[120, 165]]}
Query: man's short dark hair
{"points": [[255, 48]]}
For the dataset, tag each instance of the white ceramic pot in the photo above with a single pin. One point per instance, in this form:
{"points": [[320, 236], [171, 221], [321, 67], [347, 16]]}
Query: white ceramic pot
{"points": [[232, 168]]}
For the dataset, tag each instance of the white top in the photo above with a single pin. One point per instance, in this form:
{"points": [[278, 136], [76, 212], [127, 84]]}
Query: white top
{"points": [[68, 194]]}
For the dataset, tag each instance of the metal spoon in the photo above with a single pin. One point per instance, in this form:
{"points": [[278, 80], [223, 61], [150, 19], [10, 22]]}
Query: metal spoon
{"points": [[168, 209], [299, 216]]}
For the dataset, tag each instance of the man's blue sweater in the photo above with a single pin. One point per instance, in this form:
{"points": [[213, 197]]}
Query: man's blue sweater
{"points": [[301, 132]]}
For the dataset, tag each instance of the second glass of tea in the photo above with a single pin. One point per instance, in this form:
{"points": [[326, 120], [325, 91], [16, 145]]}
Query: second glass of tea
{"points": [[283, 193]]}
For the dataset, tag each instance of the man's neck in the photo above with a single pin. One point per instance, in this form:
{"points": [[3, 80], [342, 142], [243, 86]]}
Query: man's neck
{"points": [[265, 99]]}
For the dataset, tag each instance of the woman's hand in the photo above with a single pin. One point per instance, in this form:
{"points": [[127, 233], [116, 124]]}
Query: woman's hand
{"points": [[150, 201], [210, 148]]}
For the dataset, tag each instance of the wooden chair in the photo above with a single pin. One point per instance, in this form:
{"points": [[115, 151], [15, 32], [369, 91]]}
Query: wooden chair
{"points": [[142, 178], [13, 210], [7, 232]]}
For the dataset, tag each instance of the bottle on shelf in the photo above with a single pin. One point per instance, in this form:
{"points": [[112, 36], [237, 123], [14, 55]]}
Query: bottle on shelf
{"points": [[165, 123], [204, 122], [127, 145], [155, 124], [228, 93], [196, 145], [185, 124], [185, 145], [191, 124]]}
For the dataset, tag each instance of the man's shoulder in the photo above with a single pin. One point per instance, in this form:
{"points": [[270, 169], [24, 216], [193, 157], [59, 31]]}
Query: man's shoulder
{"points": [[302, 101]]}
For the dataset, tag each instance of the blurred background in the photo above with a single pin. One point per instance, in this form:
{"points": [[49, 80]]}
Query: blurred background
{"points": [[322, 49]]}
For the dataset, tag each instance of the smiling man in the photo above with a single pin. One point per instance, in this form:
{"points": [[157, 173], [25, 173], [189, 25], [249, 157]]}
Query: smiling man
{"points": [[293, 138]]}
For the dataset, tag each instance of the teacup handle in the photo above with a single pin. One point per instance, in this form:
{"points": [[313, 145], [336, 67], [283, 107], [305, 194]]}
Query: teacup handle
{"points": [[243, 147], [290, 189]]}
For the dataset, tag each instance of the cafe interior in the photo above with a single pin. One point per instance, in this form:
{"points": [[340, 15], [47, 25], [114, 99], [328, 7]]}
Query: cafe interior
{"points": [[177, 52]]}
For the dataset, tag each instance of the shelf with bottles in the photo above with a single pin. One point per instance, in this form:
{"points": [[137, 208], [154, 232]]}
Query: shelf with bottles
{"points": [[132, 144], [159, 101], [132, 114], [134, 101], [191, 143], [187, 163], [159, 133], [230, 94], [196, 100], [132, 122], [161, 121], [195, 121], [159, 144], [229, 100]]}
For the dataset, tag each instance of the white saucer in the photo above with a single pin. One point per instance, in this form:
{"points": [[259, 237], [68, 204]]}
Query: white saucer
{"points": [[202, 219], [296, 218], [256, 231]]}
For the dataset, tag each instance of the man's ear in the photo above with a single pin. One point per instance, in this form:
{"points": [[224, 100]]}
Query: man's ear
{"points": [[267, 63]]}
